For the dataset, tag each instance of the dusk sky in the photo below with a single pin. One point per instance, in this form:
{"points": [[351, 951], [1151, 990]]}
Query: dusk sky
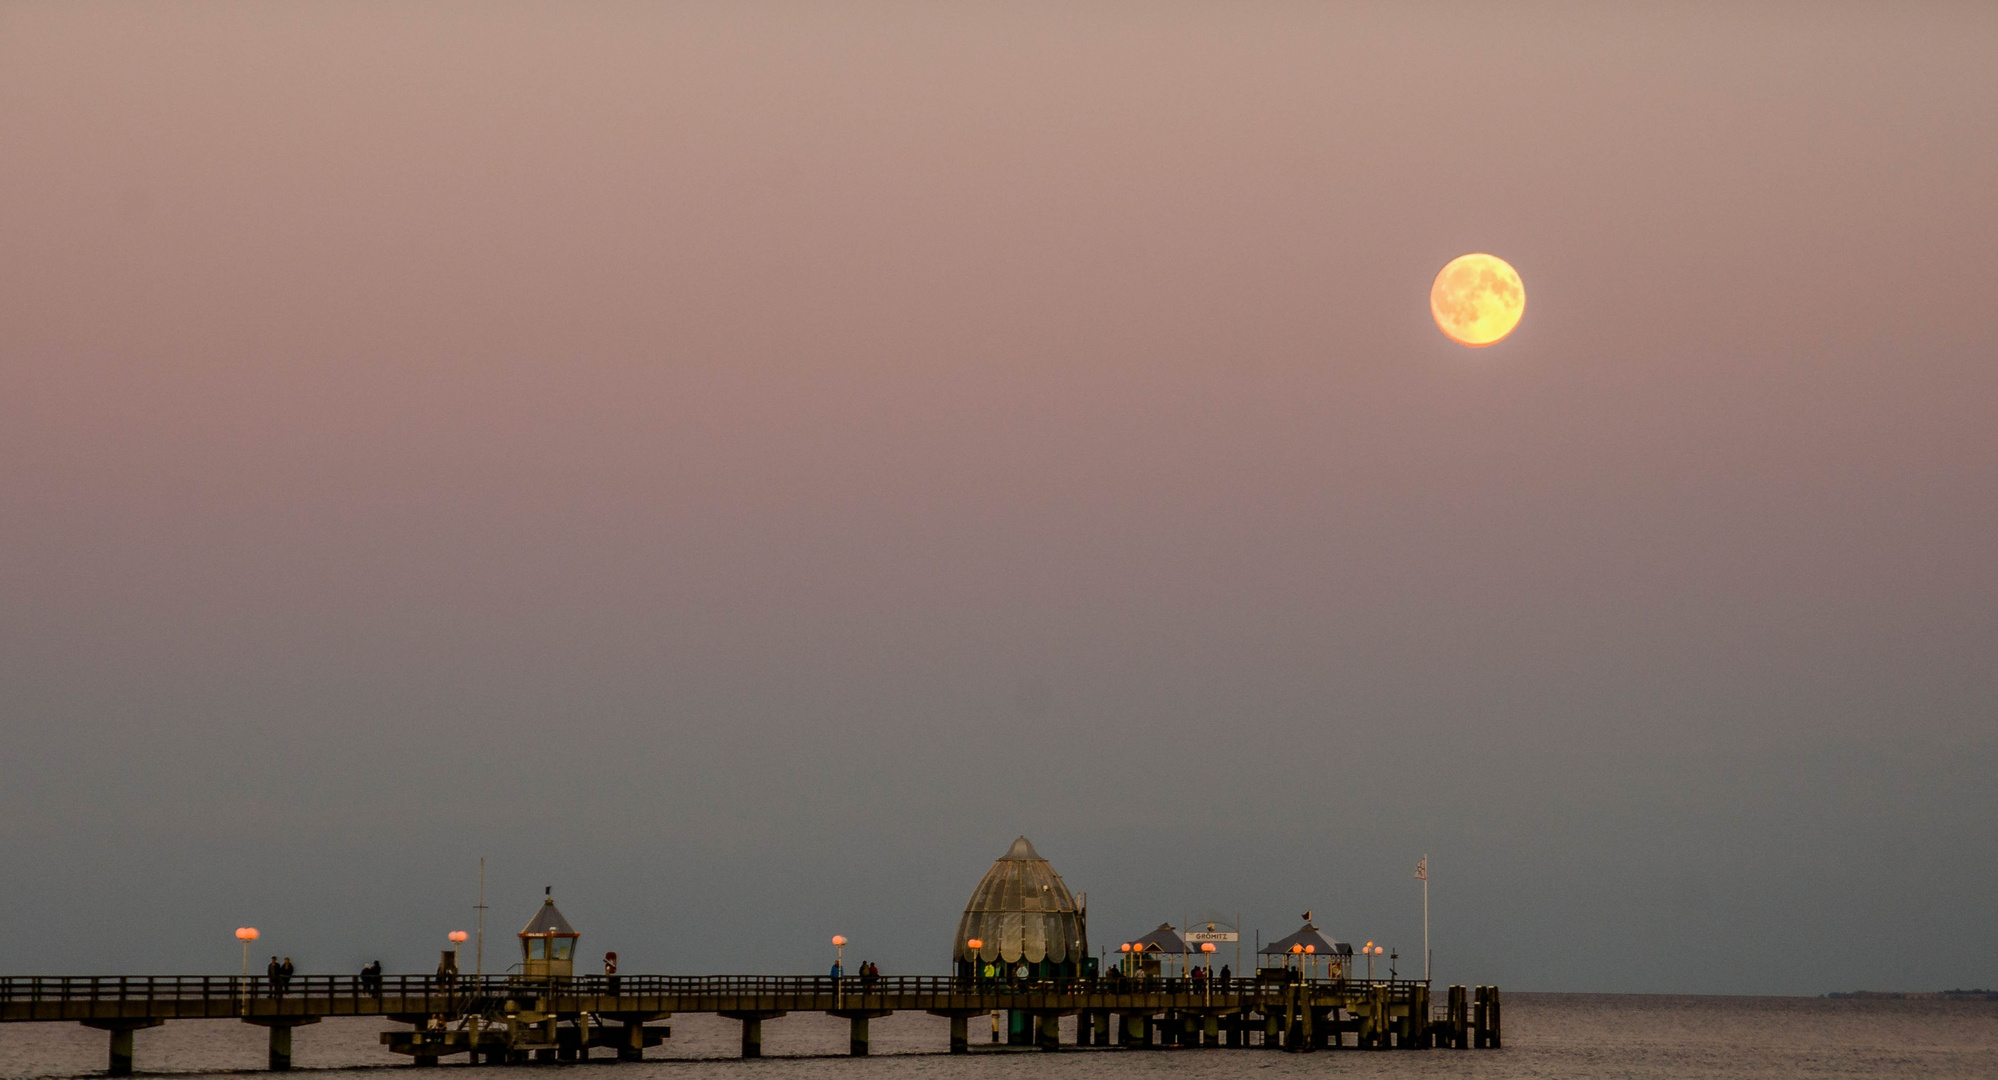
{"points": [[741, 464]]}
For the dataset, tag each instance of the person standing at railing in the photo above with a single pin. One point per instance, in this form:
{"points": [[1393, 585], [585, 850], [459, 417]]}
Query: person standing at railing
{"points": [[276, 973], [284, 977]]}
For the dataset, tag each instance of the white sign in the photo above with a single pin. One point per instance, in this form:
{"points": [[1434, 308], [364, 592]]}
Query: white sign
{"points": [[1199, 936]]}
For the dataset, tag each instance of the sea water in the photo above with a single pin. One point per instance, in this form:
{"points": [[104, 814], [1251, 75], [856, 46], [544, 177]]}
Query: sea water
{"points": [[1547, 1035]]}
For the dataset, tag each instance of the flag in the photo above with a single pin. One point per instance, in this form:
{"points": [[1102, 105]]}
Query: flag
{"points": [[1422, 869]]}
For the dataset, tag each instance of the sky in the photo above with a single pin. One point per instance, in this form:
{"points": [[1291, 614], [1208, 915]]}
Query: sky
{"points": [[741, 464]]}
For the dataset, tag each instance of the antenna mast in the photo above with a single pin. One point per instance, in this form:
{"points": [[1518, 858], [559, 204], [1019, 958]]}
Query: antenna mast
{"points": [[480, 954]]}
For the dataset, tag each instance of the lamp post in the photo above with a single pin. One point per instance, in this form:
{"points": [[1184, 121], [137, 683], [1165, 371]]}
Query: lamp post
{"points": [[246, 934], [839, 969], [973, 945], [457, 938], [1207, 947]]}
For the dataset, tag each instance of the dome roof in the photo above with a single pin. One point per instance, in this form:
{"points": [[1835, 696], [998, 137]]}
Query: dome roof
{"points": [[1022, 911]]}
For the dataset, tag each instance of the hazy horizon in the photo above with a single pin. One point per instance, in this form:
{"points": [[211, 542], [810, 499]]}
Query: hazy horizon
{"points": [[742, 464]]}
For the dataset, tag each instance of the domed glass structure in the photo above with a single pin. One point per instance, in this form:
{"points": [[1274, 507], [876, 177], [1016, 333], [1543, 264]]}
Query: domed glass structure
{"points": [[1022, 914]]}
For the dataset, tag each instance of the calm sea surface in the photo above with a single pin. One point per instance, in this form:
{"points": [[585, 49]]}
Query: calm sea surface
{"points": [[1547, 1035]]}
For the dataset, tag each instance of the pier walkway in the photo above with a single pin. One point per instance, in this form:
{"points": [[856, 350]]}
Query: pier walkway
{"points": [[510, 1019]]}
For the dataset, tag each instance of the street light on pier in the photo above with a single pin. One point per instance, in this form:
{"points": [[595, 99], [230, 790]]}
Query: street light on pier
{"points": [[246, 934], [839, 969]]}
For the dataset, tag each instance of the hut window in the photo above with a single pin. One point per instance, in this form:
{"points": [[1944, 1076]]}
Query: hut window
{"points": [[559, 947], [537, 948]]}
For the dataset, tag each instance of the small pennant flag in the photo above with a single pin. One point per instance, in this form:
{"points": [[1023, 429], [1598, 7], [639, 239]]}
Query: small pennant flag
{"points": [[1422, 869]]}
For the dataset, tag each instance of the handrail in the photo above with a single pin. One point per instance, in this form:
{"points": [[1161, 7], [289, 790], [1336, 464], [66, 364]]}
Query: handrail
{"points": [[463, 988]]}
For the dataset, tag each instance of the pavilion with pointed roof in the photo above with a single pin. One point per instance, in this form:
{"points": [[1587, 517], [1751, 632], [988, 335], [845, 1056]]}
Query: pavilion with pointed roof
{"points": [[1144, 954], [548, 942], [1308, 949]]}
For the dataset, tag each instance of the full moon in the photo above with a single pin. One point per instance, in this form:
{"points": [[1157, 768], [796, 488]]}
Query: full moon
{"points": [[1477, 299]]}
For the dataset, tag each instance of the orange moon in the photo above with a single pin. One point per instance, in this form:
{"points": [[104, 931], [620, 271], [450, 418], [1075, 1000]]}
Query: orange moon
{"points": [[1477, 300]]}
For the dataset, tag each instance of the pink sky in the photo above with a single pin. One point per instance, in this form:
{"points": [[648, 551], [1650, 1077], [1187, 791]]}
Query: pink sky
{"points": [[836, 402]]}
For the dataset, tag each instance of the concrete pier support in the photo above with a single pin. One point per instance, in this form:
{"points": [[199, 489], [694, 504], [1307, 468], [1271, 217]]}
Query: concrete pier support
{"points": [[752, 1036], [1100, 1024], [1050, 1031], [1137, 1031], [121, 1041], [121, 1052], [856, 1036], [960, 1034], [1210, 1031], [280, 1048], [633, 1046]]}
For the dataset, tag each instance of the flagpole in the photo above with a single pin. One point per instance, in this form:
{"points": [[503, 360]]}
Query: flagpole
{"points": [[1425, 918]]}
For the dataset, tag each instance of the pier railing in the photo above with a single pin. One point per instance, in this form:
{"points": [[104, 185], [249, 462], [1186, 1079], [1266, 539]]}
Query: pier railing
{"points": [[360, 988]]}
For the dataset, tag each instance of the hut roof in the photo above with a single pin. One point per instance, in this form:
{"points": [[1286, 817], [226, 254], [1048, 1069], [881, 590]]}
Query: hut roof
{"points": [[1021, 910], [548, 922], [1162, 940], [1309, 937]]}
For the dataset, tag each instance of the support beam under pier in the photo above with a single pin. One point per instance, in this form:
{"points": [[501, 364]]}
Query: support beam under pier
{"points": [[121, 1041], [752, 1030]]}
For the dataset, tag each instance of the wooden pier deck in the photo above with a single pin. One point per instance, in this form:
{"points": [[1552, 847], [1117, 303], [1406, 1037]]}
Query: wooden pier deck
{"points": [[507, 1018]]}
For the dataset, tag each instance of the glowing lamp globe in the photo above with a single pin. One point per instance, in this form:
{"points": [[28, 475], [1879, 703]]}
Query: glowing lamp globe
{"points": [[1311, 948], [975, 944], [839, 939], [246, 933], [1125, 947], [1297, 948], [458, 936]]}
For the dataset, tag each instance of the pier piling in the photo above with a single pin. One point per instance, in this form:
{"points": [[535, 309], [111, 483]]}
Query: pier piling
{"points": [[280, 1047], [960, 1034], [121, 1041]]}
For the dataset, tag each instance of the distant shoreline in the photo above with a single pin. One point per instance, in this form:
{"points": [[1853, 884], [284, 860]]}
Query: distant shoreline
{"points": [[1919, 995]]}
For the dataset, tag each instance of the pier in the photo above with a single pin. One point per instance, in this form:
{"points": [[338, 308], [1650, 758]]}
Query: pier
{"points": [[507, 1019], [1021, 950]]}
